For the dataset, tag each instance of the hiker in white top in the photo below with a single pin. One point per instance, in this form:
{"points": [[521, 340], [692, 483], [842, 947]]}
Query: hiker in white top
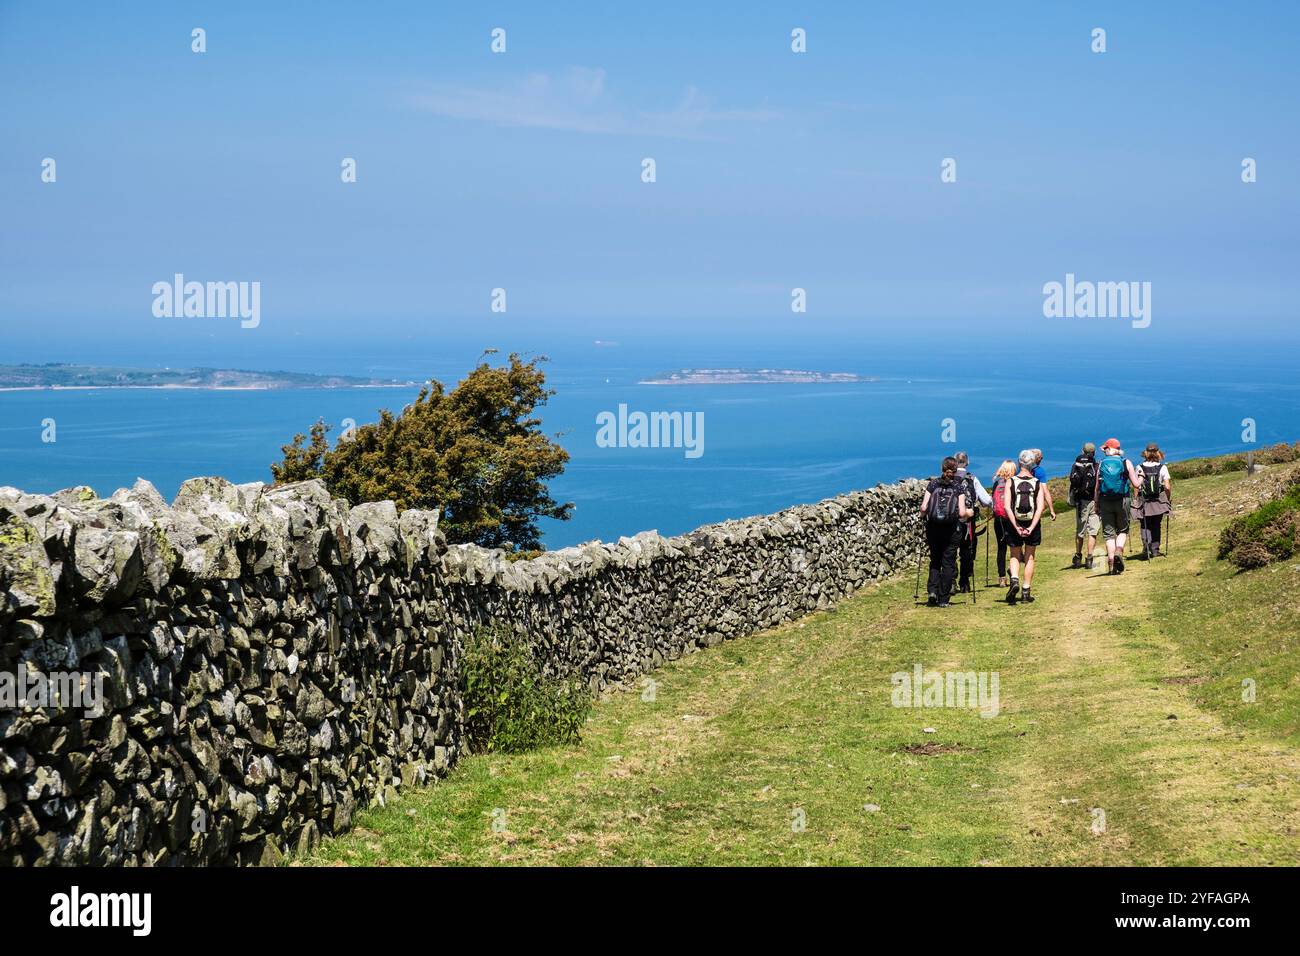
{"points": [[1152, 499]]}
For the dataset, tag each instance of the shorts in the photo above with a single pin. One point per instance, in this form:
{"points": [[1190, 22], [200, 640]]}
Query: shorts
{"points": [[1016, 540], [1086, 520], [1114, 516]]}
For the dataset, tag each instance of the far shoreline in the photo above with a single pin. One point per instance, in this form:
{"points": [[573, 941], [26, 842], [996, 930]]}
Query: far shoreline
{"points": [[793, 381], [197, 388]]}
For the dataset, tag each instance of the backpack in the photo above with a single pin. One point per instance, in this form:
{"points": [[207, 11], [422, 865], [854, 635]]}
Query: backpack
{"points": [[943, 501], [1151, 484], [1083, 478], [1024, 498], [999, 504], [1114, 477], [972, 499]]}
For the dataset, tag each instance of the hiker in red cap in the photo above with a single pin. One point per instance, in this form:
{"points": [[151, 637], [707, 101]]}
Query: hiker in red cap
{"points": [[1116, 479]]}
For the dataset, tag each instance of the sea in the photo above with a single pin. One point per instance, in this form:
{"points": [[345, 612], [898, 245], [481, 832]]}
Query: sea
{"points": [[764, 447]]}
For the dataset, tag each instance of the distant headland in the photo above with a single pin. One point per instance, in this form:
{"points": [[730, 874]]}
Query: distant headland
{"points": [[754, 376], [59, 375]]}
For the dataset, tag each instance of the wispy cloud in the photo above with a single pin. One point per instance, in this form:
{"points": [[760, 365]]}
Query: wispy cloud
{"points": [[577, 101]]}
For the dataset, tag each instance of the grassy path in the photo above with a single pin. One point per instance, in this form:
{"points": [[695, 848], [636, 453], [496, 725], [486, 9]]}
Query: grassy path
{"points": [[1118, 696]]}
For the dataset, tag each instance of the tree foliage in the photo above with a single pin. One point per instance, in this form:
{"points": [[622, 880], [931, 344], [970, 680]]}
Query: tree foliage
{"points": [[475, 454]]}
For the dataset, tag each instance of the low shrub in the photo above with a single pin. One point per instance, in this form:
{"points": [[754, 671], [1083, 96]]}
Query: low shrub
{"points": [[510, 704], [1250, 555], [1269, 533]]}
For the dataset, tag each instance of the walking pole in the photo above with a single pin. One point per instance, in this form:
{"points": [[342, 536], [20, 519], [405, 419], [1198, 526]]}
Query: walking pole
{"points": [[987, 525], [975, 539], [1169, 531], [920, 549]]}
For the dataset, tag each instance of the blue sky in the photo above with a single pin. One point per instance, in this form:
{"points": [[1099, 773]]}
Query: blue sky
{"points": [[522, 170]]}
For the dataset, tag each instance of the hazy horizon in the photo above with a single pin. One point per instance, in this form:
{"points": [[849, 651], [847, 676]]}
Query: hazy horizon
{"points": [[522, 170]]}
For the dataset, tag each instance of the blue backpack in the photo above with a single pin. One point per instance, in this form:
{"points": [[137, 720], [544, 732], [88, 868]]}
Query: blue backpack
{"points": [[1113, 477]]}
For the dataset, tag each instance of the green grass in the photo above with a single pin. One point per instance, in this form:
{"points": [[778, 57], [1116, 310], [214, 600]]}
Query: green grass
{"points": [[1122, 694]]}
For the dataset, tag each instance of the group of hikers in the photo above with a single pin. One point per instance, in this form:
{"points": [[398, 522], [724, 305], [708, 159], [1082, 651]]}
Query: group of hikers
{"points": [[1107, 496]]}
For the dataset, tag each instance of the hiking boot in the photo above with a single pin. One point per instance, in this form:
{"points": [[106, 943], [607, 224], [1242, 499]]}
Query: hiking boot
{"points": [[945, 604], [1027, 597], [933, 601], [1155, 553], [1088, 563], [1078, 559], [1013, 591], [1119, 564]]}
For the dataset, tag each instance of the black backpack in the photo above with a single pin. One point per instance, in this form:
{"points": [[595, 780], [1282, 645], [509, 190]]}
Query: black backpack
{"points": [[1024, 498], [968, 489], [1151, 484], [1083, 478], [943, 501]]}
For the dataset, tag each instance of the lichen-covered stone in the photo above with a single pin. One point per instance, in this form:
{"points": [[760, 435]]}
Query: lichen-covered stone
{"points": [[273, 659]]}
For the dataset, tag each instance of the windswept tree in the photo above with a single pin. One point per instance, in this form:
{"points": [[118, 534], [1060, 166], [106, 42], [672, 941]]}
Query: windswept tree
{"points": [[476, 454]]}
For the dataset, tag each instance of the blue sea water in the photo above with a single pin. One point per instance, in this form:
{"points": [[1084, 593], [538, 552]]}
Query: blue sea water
{"points": [[766, 447]]}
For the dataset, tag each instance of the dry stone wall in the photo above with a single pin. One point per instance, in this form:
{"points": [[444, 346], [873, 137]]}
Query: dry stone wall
{"points": [[225, 679]]}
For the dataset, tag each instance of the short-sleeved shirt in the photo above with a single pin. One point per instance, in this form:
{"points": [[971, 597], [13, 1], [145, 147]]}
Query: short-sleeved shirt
{"points": [[936, 483], [1161, 478]]}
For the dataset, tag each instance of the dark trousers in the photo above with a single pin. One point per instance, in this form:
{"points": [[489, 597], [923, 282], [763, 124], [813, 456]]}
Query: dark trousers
{"points": [[966, 555], [944, 540], [1000, 532], [1151, 532]]}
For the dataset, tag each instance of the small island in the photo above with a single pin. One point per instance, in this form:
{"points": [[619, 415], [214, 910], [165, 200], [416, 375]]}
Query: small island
{"points": [[755, 376], [59, 375]]}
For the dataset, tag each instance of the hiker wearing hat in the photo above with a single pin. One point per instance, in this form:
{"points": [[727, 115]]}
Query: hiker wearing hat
{"points": [[1153, 499], [1083, 489], [1116, 479]]}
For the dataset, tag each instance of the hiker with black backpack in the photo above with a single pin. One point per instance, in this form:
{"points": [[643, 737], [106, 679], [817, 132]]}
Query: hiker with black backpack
{"points": [[1083, 489], [976, 495], [1116, 479], [1025, 501], [1153, 499], [945, 512]]}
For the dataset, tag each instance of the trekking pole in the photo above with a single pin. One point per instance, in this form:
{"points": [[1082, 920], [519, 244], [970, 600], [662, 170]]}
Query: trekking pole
{"points": [[920, 549], [987, 526], [1169, 531]]}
